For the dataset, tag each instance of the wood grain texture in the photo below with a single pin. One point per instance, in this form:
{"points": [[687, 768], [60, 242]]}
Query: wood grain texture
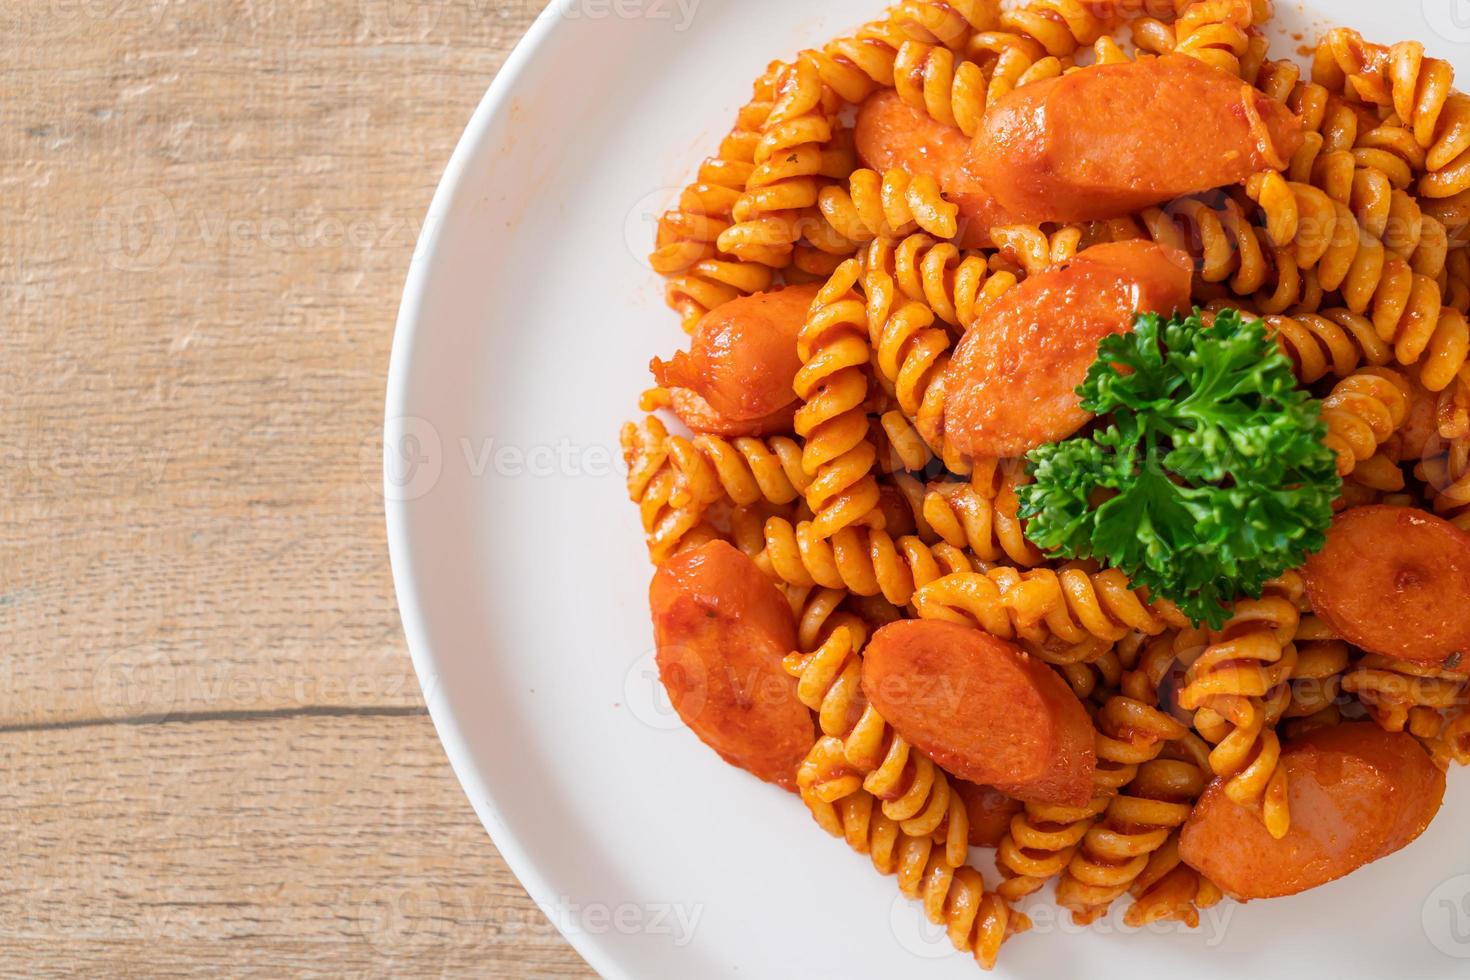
{"points": [[212, 747], [257, 848], [208, 212]]}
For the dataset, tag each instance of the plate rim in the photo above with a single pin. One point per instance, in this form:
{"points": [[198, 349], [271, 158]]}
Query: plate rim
{"points": [[495, 103], [599, 952]]}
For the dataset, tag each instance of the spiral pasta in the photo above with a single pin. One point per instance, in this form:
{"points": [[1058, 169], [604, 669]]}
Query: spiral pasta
{"points": [[859, 750], [675, 480], [857, 819], [1400, 695], [1326, 115], [833, 387], [700, 276], [1070, 604], [653, 484], [988, 526], [1371, 181], [887, 205], [1236, 685], [791, 163], [1217, 32], [1305, 217], [948, 22], [1225, 245], [1419, 90], [1279, 79], [1033, 249], [977, 921], [1316, 683], [1036, 42], [956, 286], [1167, 888], [1450, 741], [1177, 894], [1405, 306], [1332, 342], [1040, 843], [819, 612], [910, 352], [1447, 480], [1049, 28], [957, 90], [857, 65], [952, 90], [1140, 816], [864, 561], [1362, 412], [742, 471], [1044, 840]]}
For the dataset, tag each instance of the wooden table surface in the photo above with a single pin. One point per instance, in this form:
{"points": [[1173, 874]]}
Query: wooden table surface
{"points": [[213, 751]]}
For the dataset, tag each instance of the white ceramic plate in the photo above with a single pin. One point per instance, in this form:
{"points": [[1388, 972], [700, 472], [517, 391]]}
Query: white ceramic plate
{"points": [[527, 323]]}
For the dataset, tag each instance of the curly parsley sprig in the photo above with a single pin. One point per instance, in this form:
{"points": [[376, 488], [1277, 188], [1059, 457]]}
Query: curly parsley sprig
{"points": [[1206, 476]]}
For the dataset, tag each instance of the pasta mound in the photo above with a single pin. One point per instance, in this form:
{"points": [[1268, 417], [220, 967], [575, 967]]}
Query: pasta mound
{"points": [[862, 507]]}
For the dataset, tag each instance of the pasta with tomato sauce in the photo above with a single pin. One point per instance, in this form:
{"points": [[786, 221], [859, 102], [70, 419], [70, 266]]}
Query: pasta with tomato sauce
{"points": [[1123, 490]]}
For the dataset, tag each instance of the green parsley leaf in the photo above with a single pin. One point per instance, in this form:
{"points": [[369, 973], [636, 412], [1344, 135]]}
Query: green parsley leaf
{"points": [[1206, 475]]}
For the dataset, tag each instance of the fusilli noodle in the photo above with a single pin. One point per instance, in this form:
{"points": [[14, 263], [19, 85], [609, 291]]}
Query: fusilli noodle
{"points": [[833, 386]]}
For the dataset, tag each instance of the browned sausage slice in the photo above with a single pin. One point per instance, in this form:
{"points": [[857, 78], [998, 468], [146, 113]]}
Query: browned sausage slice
{"points": [[982, 708], [1357, 793], [740, 364], [722, 629], [891, 133], [1012, 383], [1109, 140], [1396, 581]]}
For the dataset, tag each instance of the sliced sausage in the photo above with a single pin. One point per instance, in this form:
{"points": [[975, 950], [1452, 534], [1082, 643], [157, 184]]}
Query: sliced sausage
{"points": [[983, 709], [1357, 794], [891, 133], [722, 629], [1012, 383], [1106, 141], [990, 812], [741, 362], [700, 416], [1396, 581]]}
